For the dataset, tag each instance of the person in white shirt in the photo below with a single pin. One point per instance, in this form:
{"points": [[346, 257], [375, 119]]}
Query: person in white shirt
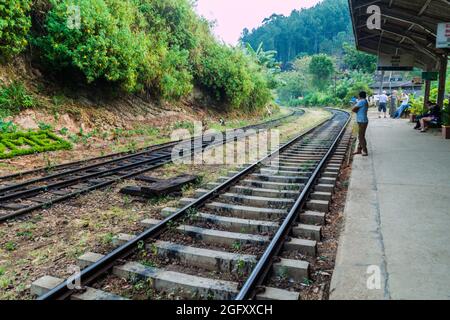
{"points": [[382, 107], [376, 100], [405, 98]]}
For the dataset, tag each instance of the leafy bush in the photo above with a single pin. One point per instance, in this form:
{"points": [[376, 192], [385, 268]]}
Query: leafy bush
{"points": [[176, 81], [105, 46], [295, 103], [158, 46], [7, 127], [15, 22], [357, 60], [316, 99], [172, 21], [231, 76], [22, 143], [321, 68], [356, 88], [417, 105], [446, 115], [44, 126], [13, 98]]}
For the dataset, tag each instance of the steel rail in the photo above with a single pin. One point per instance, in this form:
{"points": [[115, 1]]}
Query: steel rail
{"points": [[60, 174], [263, 266], [74, 163], [36, 190], [92, 272], [164, 159], [125, 155]]}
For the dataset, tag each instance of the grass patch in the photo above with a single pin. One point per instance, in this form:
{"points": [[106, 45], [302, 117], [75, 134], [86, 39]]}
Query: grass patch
{"points": [[23, 143], [10, 246], [14, 98]]}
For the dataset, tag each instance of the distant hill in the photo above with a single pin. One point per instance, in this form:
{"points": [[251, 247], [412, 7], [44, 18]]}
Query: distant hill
{"points": [[320, 29]]}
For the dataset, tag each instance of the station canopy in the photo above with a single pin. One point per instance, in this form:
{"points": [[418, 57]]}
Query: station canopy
{"points": [[407, 27]]}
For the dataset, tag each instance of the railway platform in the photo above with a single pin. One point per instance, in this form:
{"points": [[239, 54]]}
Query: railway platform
{"points": [[396, 233]]}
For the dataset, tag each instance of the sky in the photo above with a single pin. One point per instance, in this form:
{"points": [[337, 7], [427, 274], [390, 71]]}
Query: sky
{"points": [[232, 16]]}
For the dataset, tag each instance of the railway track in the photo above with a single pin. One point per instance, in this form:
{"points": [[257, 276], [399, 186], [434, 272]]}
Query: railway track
{"points": [[24, 192], [235, 240]]}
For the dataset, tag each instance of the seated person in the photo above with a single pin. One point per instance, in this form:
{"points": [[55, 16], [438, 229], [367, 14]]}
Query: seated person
{"points": [[433, 115], [433, 110]]}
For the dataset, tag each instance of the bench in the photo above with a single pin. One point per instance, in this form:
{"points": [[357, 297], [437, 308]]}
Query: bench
{"points": [[435, 124]]}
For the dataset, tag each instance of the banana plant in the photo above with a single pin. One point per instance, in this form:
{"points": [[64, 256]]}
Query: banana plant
{"points": [[266, 59]]}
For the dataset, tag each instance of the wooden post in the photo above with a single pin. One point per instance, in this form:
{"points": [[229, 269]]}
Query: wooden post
{"points": [[442, 78], [427, 92]]}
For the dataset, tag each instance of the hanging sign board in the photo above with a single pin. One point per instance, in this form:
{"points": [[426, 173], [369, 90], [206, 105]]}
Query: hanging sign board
{"points": [[404, 62], [431, 76], [443, 36]]}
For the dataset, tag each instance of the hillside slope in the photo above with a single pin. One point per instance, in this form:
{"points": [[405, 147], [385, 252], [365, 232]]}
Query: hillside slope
{"points": [[106, 63]]}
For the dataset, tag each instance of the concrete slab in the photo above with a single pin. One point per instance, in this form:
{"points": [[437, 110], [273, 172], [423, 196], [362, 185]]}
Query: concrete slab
{"points": [[397, 218]]}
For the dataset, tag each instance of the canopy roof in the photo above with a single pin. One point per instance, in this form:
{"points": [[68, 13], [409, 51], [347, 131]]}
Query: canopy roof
{"points": [[407, 26]]}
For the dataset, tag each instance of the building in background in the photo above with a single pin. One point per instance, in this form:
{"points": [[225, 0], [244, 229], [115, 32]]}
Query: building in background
{"points": [[396, 81]]}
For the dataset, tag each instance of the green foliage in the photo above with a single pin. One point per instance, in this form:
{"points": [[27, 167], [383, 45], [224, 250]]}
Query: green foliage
{"points": [[15, 23], [355, 89], [10, 246], [264, 58], [446, 109], [322, 28], [107, 44], [321, 68], [291, 86], [296, 83], [319, 99], [45, 126], [352, 84], [231, 76], [22, 143], [267, 61], [7, 127], [187, 125], [446, 115], [357, 60], [177, 80], [308, 84], [161, 47], [434, 95], [13, 98], [417, 106]]}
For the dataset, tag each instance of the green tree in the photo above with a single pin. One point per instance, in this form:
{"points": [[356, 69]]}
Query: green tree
{"points": [[15, 23], [267, 61], [321, 28], [321, 68], [357, 60], [107, 45], [158, 47]]}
